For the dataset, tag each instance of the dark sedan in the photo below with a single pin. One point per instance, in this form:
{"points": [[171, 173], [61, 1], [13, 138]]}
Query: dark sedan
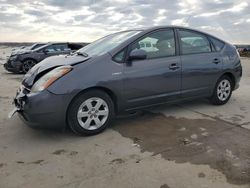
{"points": [[21, 61], [120, 73]]}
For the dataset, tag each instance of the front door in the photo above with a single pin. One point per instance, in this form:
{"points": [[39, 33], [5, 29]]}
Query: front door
{"points": [[156, 79]]}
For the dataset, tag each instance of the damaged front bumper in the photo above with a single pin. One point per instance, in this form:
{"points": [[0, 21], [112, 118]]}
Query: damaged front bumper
{"points": [[13, 66], [40, 110], [19, 101]]}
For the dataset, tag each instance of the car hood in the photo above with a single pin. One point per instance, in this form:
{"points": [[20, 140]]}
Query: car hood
{"points": [[48, 64], [20, 51]]}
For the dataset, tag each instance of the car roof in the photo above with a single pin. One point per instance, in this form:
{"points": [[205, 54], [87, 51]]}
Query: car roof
{"points": [[148, 29], [52, 43], [40, 43], [158, 27]]}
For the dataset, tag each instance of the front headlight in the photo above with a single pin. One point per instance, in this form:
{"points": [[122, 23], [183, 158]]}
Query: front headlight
{"points": [[49, 78]]}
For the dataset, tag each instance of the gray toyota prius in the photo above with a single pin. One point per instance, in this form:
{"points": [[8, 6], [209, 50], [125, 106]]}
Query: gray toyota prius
{"points": [[126, 71]]}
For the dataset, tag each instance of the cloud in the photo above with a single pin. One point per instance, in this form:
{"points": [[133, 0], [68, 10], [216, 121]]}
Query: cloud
{"points": [[78, 20], [237, 7]]}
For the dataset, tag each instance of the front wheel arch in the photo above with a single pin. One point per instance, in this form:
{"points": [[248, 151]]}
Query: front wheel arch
{"points": [[110, 93], [106, 90], [29, 59], [70, 122]]}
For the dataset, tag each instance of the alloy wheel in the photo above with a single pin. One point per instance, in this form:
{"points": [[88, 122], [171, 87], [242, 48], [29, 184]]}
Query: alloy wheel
{"points": [[93, 113], [27, 65], [223, 90]]}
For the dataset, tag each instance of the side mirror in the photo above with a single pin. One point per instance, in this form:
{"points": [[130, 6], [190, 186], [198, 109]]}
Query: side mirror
{"points": [[138, 54]]}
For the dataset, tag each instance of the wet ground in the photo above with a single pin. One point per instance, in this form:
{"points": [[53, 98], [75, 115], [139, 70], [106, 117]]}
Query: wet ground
{"points": [[194, 144], [222, 146]]}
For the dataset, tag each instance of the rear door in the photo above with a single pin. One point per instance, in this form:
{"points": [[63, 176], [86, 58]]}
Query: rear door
{"points": [[157, 78], [201, 64]]}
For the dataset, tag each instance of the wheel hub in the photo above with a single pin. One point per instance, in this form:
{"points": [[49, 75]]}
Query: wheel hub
{"points": [[224, 90], [93, 113]]}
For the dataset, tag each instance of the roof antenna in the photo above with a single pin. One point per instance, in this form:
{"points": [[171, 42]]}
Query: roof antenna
{"points": [[188, 19]]}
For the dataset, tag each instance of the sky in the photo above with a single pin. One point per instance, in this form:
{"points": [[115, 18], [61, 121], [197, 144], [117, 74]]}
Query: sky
{"points": [[88, 20]]}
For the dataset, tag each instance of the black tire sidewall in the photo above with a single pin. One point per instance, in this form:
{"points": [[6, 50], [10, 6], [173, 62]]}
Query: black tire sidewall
{"points": [[22, 67], [74, 106], [215, 99]]}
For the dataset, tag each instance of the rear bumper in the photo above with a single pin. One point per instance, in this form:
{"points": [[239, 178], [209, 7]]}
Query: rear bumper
{"points": [[43, 109], [238, 75]]}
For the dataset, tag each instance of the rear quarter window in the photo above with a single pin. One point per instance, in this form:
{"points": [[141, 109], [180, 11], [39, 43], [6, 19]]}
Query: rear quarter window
{"points": [[218, 45]]}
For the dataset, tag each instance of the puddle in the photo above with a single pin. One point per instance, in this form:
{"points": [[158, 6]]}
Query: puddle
{"points": [[215, 143]]}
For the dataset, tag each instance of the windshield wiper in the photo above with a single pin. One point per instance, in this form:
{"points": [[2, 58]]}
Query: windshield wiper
{"points": [[82, 54]]}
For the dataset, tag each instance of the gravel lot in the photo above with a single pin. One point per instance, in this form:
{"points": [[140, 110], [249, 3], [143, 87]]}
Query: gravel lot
{"points": [[187, 145]]}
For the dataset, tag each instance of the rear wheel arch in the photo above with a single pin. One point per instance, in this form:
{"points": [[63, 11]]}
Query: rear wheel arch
{"points": [[222, 90], [227, 73], [231, 76]]}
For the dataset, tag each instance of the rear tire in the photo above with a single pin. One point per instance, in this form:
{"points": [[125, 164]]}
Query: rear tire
{"points": [[222, 91], [90, 112]]}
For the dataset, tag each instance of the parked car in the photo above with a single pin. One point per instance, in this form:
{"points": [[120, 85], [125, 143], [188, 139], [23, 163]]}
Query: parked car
{"points": [[22, 60], [31, 47], [87, 89]]}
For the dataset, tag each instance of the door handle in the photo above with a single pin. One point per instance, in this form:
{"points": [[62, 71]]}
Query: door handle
{"points": [[216, 61], [173, 66]]}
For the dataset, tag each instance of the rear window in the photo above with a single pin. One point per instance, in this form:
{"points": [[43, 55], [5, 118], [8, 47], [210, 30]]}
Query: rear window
{"points": [[218, 45]]}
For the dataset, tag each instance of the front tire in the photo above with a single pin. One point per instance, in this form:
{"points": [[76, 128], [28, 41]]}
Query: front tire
{"points": [[222, 91], [27, 65], [90, 112]]}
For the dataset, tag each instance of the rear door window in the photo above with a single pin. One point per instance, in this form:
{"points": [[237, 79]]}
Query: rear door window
{"points": [[193, 42]]}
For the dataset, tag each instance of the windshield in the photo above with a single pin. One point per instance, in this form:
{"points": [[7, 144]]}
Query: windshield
{"points": [[28, 47], [42, 47], [107, 43], [35, 46]]}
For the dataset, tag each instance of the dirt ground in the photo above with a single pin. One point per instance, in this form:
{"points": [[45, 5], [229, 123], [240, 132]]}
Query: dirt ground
{"points": [[188, 145]]}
